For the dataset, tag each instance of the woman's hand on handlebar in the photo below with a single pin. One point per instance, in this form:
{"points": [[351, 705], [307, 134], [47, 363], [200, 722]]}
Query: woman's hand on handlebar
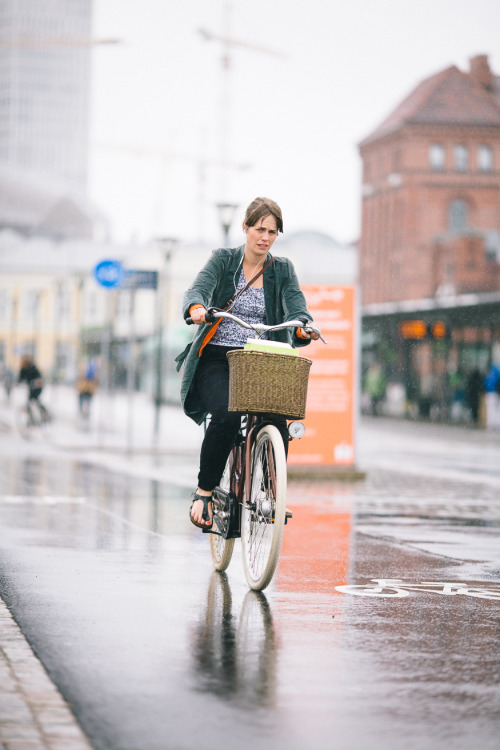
{"points": [[198, 315]]}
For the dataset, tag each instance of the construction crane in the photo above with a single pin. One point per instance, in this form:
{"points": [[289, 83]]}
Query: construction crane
{"points": [[32, 42], [229, 42], [165, 157]]}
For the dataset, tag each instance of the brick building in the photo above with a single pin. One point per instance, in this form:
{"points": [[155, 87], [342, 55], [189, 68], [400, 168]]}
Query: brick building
{"points": [[430, 238], [431, 190]]}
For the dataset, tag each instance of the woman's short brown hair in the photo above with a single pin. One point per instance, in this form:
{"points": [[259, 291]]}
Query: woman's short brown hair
{"points": [[259, 209]]}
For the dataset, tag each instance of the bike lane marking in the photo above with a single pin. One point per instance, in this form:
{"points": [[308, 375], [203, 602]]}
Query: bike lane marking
{"points": [[397, 588]]}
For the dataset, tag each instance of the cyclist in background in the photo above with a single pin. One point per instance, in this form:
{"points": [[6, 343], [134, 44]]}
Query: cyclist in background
{"points": [[259, 288], [31, 375]]}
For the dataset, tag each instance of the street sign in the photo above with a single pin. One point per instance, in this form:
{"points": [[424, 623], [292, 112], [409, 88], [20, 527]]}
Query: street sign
{"points": [[134, 279], [109, 273]]}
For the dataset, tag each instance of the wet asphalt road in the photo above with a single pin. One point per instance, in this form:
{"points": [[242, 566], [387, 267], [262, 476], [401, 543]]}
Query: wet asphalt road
{"points": [[114, 590]]}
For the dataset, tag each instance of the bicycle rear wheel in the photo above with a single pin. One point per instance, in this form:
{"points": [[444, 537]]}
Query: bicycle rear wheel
{"points": [[264, 513], [221, 548]]}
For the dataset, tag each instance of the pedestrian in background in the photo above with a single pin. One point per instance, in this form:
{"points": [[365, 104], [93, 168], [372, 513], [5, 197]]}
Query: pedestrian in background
{"points": [[8, 381], [473, 391], [375, 386], [492, 388], [86, 386]]}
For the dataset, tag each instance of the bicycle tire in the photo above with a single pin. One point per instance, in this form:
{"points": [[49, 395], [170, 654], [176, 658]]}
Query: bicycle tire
{"points": [[221, 548], [263, 515], [24, 423]]}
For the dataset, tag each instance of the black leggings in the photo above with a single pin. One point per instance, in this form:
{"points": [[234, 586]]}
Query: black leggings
{"points": [[212, 384]]}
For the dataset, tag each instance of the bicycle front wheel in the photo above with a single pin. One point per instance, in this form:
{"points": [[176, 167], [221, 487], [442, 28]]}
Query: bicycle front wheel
{"points": [[264, 511], [221, 548], [24, 422]]}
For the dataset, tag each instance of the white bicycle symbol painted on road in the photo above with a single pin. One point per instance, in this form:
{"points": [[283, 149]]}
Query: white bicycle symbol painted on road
{"points": [[395, 587]]}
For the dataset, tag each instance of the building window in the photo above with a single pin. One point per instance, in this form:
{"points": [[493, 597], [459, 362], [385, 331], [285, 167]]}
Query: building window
{"points": [[457, 216], [485, 158], [31, 304], [492, 244], [436, 157], [461, 158]]}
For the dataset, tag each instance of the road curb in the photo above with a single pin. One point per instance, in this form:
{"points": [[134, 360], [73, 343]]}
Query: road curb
{"points": [[33, 714]]}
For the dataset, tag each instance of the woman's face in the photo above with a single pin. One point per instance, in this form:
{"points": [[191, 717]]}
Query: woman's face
{"points": [[261, 236]]}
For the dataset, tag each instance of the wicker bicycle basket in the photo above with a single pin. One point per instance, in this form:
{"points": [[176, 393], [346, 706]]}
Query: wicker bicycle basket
{"points": [[268, 383]]}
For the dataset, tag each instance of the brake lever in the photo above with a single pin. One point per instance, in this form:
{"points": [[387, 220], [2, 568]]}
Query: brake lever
{"points": [[310, 329]]}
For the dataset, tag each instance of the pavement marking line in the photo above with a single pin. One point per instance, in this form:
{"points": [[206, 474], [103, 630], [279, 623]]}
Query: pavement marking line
{"points": [[435, 472], [32, 711], [42, 499]]}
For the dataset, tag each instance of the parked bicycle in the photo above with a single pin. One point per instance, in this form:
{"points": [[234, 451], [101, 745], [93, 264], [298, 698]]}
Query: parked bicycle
{"points": [[250, 501]]}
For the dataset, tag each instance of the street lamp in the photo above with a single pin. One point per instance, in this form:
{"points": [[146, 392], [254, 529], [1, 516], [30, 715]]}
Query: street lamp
{"points": [[226, 215], [167, 245]]}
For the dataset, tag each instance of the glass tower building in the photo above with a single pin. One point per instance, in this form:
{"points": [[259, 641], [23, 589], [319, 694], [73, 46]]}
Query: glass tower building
{"points": [[45, 86]]}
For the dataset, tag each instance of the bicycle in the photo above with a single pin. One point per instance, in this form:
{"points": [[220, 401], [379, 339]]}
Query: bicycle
{"points": [[32, 417], [396, 588], [250, 502]]}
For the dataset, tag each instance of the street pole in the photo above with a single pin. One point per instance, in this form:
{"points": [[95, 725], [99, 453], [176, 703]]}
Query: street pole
{"points": [[131, 371], [12, 361], [58, 314], [105, 363], [162, 300], [226, 216]]}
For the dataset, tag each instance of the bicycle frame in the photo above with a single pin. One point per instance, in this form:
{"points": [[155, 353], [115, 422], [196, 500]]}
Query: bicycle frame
{"points": [[240, 478]]}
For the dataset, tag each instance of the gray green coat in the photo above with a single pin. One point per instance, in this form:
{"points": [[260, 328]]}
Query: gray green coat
{"points": [[214, 286]]}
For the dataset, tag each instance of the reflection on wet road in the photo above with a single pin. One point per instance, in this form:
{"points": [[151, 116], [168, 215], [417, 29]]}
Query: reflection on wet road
{"points": [[114, 589]]}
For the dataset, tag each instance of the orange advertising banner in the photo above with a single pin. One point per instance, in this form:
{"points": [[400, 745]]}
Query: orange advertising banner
{"points": [[330, 420]]}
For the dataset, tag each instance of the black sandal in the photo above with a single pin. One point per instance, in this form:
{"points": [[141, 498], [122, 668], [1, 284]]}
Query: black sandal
{"points": [[205, 515]]}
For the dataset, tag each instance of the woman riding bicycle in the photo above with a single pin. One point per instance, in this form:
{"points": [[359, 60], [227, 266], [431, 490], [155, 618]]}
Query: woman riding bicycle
{"points": [[259, 288]]}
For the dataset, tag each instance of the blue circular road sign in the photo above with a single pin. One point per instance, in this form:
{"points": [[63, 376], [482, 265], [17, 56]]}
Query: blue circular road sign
{"points": [[109, 273]]}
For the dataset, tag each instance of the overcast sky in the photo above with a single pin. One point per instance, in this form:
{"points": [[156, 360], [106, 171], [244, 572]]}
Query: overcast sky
{"points": [[308, 80]]}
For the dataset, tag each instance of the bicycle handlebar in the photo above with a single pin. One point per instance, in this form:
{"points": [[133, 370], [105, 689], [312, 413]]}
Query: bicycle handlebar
{"points": [[213, 314]]}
